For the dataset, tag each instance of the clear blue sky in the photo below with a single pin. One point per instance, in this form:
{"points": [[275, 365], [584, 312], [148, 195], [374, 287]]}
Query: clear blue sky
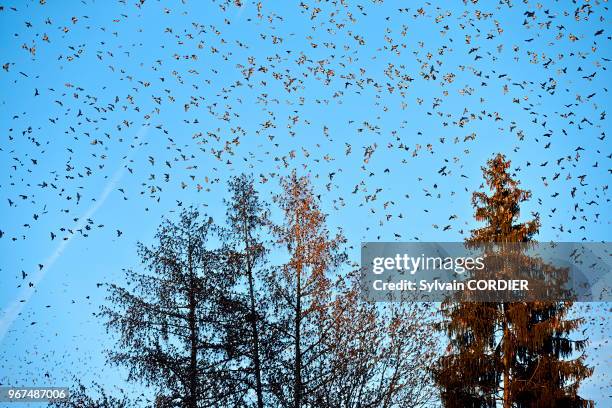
{"points": [[83, 106]]}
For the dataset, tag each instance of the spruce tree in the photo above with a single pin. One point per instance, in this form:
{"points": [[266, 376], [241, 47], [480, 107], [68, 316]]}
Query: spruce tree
{"points": [[517, 354], [172, 314]]}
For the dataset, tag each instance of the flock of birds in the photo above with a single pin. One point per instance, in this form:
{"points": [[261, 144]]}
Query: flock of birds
{"points": [[390, 110]]}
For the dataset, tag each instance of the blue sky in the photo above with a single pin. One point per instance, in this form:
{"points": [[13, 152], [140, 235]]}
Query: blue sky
{"points": [[90, 107]]}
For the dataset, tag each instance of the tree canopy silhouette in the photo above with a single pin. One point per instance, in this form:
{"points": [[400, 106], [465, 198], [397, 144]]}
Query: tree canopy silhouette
{"points": [[170, 318], [207, 320]]}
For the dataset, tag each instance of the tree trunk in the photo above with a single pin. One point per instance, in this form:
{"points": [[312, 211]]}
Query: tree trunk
{"points": [[193, 339], [297, 385], [506, 359], [252, 311], [254, 330]]}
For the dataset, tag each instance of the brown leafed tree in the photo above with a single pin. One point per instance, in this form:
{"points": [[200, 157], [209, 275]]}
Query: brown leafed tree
{"points": [[336, 349], [213, 327], [302, 289], [517, 354]]}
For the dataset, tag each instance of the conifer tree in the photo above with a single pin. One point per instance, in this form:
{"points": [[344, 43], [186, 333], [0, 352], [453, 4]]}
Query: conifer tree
{"points": [[518, 354], [172, 314], [302, 291], [206, 326]]}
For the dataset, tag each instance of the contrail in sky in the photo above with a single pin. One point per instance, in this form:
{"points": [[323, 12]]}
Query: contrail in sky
{"points": [[12, 311]]}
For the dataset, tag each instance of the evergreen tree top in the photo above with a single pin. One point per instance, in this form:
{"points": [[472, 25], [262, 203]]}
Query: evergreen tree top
{"points": [[500, 210]]}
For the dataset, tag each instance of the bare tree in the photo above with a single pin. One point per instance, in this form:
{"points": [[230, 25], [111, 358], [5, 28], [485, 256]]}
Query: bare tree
{"points": [[206, 326], [380, 354], [246, 218]]}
